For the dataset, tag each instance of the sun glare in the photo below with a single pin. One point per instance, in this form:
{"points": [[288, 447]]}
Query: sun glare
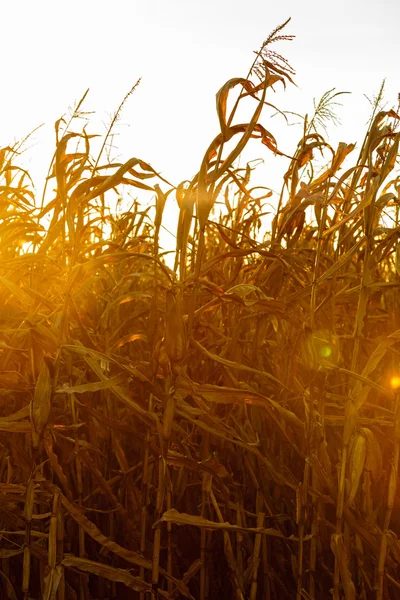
{"points": [[395, 382]]}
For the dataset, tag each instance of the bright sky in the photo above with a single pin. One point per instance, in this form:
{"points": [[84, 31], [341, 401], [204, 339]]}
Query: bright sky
{"points": [[184, 51]]}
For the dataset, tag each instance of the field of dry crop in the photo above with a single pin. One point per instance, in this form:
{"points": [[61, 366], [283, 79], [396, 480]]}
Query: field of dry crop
{"points": [[227, 428]]}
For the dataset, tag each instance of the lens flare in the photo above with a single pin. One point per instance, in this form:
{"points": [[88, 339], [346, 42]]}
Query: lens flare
{"points": [[395, 382], [326, 351]]}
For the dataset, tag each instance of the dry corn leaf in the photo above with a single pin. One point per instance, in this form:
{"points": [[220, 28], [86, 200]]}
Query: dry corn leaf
{"points": [[41, 403], [236, 365], [218, 432], [344, 260], [51, 583], [216, 470], [55, 464], [94, 532], [102, 184], [92, 357], [13, 427], [368, 382], [126, 339], [350, 421], [358, 453], [20, 414], [175, 329], [204, 200], [374, 458], [186, 207], [16, 291], [173, 516], [340, 155], [92, 387], [224, 395], [222, 95], [359, 393], [103, 570], [339, 551]]}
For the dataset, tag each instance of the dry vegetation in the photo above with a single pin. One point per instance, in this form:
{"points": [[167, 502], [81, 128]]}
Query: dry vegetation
{"points": [[229, 428]]}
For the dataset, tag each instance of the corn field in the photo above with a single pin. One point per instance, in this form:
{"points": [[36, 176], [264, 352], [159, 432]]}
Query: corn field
{"points": [[224, 427]]}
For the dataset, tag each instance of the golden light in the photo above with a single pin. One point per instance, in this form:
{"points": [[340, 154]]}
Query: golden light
{"points": [[395, 382]]}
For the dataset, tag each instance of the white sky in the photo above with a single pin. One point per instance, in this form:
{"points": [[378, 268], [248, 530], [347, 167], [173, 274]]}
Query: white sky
{"points": [[185, 50]]}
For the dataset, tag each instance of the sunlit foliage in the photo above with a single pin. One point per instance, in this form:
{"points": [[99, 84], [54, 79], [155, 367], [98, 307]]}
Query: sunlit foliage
{"points": [[229, 427]]}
